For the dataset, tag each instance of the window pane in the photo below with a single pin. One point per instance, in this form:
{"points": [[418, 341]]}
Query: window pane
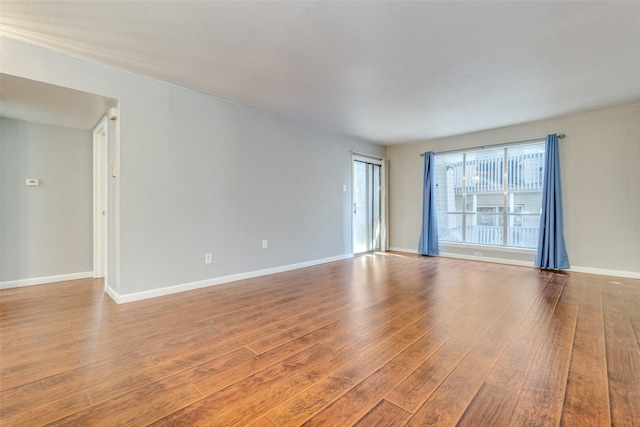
{"points": [[526, 202], [482, 202], [496, 194], [450, 227], [485, 172], [484, 234], [449, 182], [525, 167], [522, 230], [488, 217]]}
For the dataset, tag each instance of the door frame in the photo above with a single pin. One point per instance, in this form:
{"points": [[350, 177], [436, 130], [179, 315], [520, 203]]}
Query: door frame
{"points": [[384, 226], [100, 223]]}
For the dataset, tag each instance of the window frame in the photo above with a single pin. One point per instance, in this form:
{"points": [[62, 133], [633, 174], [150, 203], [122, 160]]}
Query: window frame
{"points": [[464, 212]]}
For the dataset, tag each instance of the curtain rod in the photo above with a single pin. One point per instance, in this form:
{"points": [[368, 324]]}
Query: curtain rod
{"points": [[560, 136]]}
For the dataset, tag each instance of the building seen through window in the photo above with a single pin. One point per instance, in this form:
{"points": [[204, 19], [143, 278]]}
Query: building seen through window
{"points": [[492, 196]]}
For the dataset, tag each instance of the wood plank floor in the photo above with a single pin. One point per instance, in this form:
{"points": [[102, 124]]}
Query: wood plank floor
{"points": [[379, 340]]}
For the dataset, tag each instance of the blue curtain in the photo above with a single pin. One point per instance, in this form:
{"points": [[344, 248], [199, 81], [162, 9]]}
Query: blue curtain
{"points": [[429, 234], [552, 253]]}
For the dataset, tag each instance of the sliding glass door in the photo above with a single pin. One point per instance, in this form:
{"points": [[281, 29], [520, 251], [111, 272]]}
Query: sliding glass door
{"points": [[367, 206]]}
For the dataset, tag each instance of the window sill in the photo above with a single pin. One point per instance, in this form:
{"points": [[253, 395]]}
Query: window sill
{"points": [[501, 254], [473, 246]]}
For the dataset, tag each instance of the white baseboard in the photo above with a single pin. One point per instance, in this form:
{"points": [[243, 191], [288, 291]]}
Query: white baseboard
{"points": [[407, 251], [488, 259], [42, 280], [111, 292], [472, 257], [605, 272], [137, 296], [577, 269]]}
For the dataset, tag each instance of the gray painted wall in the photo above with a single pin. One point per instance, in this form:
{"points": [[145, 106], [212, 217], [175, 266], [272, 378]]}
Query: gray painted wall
{"points": [[200, 174], [46, 230], [600, 184]]}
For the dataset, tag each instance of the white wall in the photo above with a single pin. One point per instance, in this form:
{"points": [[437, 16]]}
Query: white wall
{"points": [[200, 174], [600, 182], [46, 230]]}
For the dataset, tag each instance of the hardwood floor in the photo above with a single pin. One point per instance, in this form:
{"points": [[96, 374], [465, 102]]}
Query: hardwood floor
{"points": [[379, 340]]}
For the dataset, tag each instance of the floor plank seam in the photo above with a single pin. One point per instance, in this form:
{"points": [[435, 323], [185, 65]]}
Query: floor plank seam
{"points": [[542, 329]]}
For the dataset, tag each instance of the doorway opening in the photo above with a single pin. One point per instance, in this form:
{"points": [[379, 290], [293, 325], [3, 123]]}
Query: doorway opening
{"points": [[369, 213]]}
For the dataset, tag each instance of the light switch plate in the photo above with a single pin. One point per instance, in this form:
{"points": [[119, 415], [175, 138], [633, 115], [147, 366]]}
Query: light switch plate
{"points": [[32, 182]]}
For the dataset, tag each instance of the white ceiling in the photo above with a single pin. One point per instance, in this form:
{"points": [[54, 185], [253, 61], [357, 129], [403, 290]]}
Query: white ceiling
{"points": [[389, 72]]}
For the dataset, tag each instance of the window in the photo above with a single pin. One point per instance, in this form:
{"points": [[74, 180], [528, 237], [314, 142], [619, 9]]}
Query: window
{"points": [[491, 197]]}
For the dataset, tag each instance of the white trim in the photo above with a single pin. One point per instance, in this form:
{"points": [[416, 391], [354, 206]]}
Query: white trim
{"points": [[384, 206], [384, 198], [113, 257], [137, 296], [48, 279], [473, 258], [405, 250], [575, 269], [475, 247], [367, 159], [488, 259], [493, 146], [112, 293], [606, 272], [371, 156], [112, 204], [100, 231]]}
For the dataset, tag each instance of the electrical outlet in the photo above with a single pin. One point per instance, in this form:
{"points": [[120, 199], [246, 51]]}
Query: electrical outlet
{"points": [[265, 244], [208, 258], [477, 253]]}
